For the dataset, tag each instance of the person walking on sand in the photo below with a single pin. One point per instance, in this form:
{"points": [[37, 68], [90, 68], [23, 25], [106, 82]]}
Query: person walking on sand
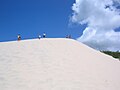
{"points": [[44, 35], [19, 37]]}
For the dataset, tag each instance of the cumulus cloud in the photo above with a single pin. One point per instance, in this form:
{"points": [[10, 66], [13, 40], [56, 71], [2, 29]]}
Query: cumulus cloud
{"points": [[102, 18]]}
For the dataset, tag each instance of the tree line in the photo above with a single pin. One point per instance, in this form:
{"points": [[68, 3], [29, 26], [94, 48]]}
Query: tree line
{"points": [[113, 54]]}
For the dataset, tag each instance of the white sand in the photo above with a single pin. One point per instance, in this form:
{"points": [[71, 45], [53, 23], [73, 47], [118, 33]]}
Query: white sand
{"points": [[56, 64]]}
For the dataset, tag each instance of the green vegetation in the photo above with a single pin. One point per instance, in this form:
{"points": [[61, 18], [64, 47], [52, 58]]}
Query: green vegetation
{"points": [[113, 54]]}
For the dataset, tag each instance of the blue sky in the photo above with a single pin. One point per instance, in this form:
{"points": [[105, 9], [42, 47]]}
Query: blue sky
{"points": [[88, 21], [31, 17]]}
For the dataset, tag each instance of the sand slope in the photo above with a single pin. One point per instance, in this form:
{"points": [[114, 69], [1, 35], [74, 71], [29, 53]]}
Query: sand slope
{"points": [[56, 64]]}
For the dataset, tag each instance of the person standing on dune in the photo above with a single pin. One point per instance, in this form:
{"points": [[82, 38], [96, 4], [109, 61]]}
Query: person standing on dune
{"points": [[19, 37], [39, 36], [44, 35]]}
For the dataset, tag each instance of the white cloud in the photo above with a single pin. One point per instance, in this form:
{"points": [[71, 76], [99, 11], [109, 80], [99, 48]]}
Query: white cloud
{"points": [[102, 18]]}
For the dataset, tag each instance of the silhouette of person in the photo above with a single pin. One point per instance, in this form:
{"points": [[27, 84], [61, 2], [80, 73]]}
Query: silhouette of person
{"points": [[19, 37], [69, 36], [44, 35], [39, 36]]}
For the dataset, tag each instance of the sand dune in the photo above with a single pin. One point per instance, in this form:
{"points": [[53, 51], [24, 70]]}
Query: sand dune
{"points": [[56, 64]]}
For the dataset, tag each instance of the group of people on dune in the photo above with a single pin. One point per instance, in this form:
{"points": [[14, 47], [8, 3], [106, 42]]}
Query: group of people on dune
{"points": [[39, 36]]}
